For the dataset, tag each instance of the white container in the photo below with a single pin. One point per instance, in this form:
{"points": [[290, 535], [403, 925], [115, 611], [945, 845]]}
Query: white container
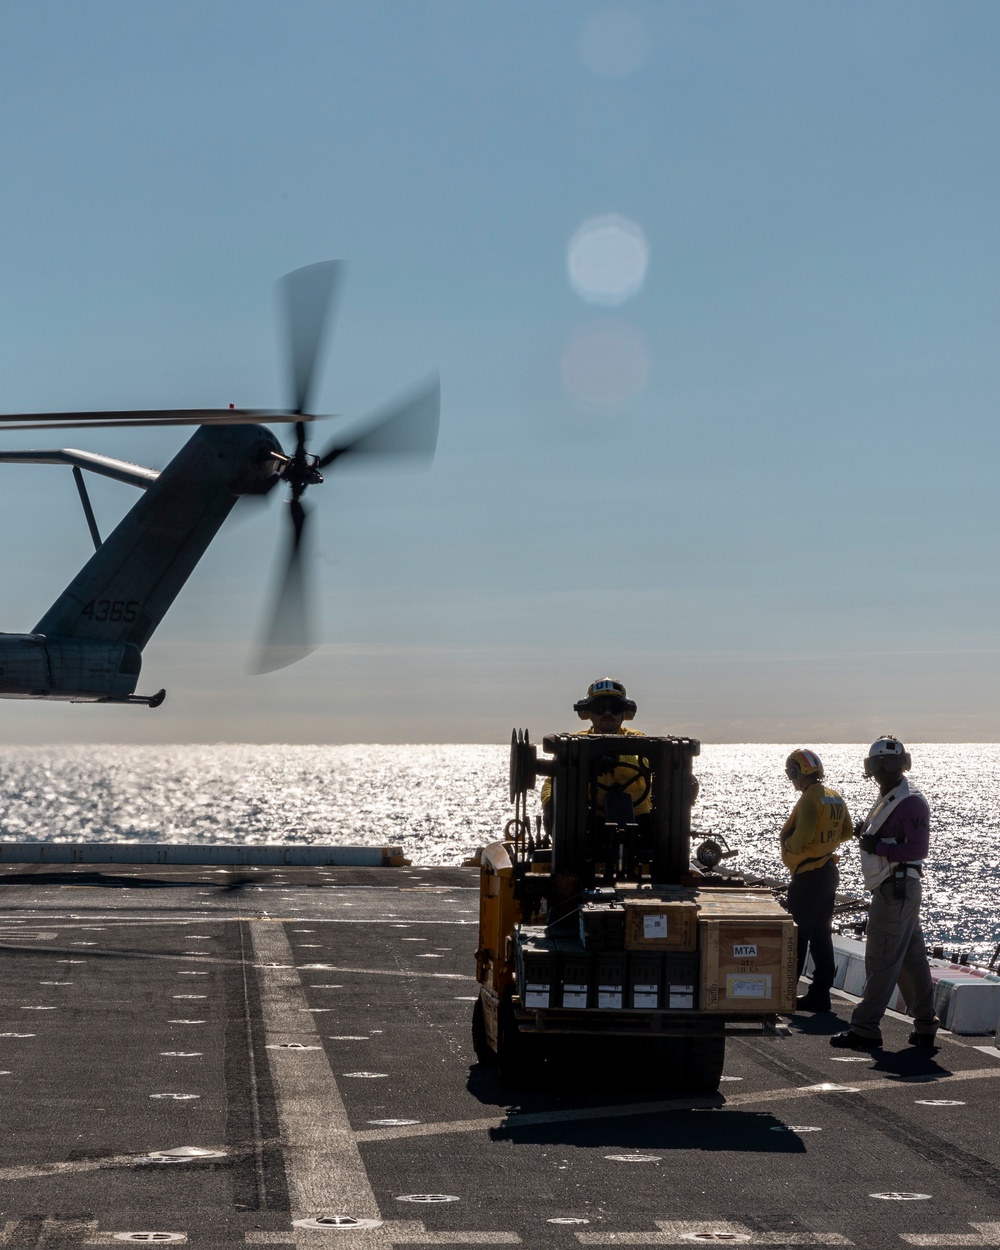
{"points": [[968, 1005], [849, 955]]}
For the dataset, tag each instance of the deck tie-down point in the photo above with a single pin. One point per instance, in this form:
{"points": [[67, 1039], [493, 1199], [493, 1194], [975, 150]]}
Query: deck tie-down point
{"points": [[336, 1221], [184, 1154]]}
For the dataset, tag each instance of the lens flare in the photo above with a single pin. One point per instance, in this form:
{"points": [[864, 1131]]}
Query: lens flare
{"points": [[607, 260], [605, 364]]}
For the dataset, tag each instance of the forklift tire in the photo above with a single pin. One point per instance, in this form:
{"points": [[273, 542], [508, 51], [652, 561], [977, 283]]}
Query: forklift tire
{"points": [[516, 1056], [704, 1059], [665, 1064], [480, 1044]]}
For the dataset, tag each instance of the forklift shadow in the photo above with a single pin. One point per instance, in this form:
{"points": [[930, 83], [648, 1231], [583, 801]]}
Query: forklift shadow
{"points": [[553, 1085], [576, 1104], [596, 1069], [693, 1128]]}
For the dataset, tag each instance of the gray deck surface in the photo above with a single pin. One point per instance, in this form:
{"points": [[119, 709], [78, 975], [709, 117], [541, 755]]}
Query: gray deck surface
{"points": [[146, 1009]]}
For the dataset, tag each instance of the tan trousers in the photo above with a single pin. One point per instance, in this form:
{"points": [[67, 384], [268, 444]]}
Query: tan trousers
{"points": [[895, 954]]}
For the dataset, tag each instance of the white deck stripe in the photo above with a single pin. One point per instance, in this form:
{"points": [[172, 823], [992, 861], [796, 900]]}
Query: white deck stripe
{"points": [[217, 916], [396, 1233], [323, 1165], [684, 1233], [621, 1110], [985, 1235], [208, 959], [388, 972]]}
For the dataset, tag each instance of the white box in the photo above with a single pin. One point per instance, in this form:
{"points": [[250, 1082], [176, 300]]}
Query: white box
{"points": [[968, 1005]]}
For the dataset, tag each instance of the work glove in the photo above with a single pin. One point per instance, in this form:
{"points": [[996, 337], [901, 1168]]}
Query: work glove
{"points": [[868, 842]]}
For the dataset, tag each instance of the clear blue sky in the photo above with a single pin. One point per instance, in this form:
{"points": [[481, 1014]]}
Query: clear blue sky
{"points": [[780, 523]]}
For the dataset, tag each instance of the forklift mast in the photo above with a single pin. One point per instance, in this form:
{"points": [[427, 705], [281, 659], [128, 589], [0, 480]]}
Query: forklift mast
{"points": [[577, 826]]}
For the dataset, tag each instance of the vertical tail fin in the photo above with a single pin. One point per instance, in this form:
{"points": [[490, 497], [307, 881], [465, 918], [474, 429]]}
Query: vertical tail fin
{"points": [[123, 592]]}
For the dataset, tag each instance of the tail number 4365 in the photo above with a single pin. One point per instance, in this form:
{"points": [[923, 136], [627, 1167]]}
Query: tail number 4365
{"points": [[125, 610]]}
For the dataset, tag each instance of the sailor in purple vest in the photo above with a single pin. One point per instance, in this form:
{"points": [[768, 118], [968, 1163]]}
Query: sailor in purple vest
{"points": [[894, 838]]}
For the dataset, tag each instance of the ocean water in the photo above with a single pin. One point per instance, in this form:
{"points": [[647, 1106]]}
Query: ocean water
{"points": [[440, 803]]}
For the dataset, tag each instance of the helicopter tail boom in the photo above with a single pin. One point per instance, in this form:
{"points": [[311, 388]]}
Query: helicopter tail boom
{"points": [[122, 593]]}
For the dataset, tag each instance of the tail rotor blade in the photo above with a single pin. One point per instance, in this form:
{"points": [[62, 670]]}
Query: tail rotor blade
{"points": [[406, 427], [298, 514], [289, 637], [309, 296]]}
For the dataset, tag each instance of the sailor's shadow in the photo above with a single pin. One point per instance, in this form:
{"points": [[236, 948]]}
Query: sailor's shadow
{"points": [[915, 1063], [822, 1024]]}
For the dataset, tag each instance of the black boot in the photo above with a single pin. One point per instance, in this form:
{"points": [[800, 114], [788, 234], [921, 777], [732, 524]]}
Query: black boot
{"points": [[922, 1039], [813, 1001], [854, 1041]]}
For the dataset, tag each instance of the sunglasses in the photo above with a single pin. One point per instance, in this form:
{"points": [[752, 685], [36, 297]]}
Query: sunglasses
{"points": [[608, 705]]}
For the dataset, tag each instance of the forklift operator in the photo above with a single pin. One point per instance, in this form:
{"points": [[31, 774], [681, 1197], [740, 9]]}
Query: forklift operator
{"points": [[606, 706]]}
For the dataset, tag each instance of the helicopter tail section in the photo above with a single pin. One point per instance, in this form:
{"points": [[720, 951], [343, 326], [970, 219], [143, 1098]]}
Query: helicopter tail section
{"points": [[122, 593], [74, 669]]}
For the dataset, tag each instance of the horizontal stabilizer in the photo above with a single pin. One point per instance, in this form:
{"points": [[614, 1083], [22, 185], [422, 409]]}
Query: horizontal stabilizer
{"points": [[106, 466]]}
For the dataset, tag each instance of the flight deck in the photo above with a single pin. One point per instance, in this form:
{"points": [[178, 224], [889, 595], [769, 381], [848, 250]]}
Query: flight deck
{"points": [[233, 1056]]}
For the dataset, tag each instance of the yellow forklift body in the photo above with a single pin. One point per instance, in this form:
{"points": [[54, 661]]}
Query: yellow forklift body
{"points": [[500, 912]]}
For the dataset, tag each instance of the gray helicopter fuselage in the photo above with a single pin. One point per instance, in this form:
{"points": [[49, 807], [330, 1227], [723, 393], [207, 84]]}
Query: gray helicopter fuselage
{"points": [[35, 667], [87, 646]]}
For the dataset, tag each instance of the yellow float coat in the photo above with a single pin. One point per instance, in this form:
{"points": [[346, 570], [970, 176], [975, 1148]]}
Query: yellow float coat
{"points": [[818, 824]]}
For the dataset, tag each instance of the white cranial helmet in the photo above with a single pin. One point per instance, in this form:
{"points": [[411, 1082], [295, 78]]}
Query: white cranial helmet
{"points": [[886, 754]]}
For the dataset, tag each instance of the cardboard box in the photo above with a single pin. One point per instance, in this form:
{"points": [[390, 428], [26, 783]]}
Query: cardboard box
{"points": [[748, 965], [661, 924]]}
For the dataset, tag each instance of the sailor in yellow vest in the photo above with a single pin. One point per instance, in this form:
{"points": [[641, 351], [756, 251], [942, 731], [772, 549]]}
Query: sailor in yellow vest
{"points": [[606, 706], [809, 839]]}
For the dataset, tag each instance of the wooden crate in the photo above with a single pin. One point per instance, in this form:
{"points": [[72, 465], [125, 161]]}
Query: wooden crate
{"points": [[747, 904], [747, 965], [661, 924]]}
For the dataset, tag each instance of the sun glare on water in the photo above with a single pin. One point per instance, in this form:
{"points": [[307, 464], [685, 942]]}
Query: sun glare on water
{"points": [[440, 803]]}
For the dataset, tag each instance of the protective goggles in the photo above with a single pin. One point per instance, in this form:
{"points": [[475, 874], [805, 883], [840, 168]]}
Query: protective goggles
{"points": [[608, 703], [876, 764]]}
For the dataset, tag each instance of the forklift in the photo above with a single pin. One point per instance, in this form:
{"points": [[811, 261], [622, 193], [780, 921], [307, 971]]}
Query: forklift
{"points": [[600, 927]]}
